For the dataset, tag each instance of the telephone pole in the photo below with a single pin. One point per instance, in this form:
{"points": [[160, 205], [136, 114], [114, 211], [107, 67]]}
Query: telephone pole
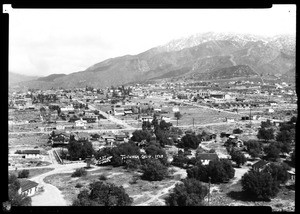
{"points": [[193, 122]]}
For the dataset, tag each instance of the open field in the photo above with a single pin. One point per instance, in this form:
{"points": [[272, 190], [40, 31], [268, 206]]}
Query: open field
{"points": [[200, 116], [141, 191], [231, 194], [33, 172], [20, 142]]}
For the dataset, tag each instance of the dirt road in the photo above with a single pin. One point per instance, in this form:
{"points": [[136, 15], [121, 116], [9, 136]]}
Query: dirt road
{"points": [[51, 196]]}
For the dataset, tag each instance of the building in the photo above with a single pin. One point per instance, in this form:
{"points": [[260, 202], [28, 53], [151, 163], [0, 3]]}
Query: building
{"points": [[260, 165], [292, 175], [31, 154], [205, 158], [27, 187], [80, 123]]}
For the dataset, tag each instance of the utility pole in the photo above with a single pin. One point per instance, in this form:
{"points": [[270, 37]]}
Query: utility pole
{"points": [[193, 122]]}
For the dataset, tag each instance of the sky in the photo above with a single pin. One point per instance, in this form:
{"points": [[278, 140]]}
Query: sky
{"points": [[48, 41]]}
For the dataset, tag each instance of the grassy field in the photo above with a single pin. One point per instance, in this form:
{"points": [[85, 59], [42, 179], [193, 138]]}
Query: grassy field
{"points": [[200, 116], [232, 195], [33, 172], [141, 191]]}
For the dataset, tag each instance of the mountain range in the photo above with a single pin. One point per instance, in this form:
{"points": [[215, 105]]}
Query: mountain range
{"points": [[205, 56]]}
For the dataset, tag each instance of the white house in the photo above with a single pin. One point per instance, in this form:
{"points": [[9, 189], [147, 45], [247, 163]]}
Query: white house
{"points": [[27, 187], [67, 108], [81, 123], [31, 154], [205, 158]]}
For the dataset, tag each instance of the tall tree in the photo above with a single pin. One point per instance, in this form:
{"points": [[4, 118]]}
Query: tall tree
{"points": [[265, 134], [261, 185], [177, 115]]}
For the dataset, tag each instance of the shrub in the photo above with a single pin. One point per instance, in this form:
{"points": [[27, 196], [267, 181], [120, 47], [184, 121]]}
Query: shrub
{"points": [[103, 194], [23, 174], [78, 185], [189, 193], [79, 172], [237, 131], [102, 177], [154, 170]]}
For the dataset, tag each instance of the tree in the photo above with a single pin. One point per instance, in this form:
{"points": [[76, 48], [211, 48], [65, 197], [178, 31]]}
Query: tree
{"points": [[103, 194], [157, 151], [177, 115], [140, 135], [285, 137], [261, 185], [190, 141], [238, 157], [146, 125], [266, 124], [272, 152], [265, 134], [293, 160], [278, 172], [219, 170], [79, 172], [254, 148], [237, 131], [80, 149], [23, 174], [14, 197], [190, 192], [180, 160], [153, 170]]}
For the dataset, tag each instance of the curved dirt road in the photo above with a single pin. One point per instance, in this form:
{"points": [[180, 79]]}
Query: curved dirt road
{"points": [[51, 196]]}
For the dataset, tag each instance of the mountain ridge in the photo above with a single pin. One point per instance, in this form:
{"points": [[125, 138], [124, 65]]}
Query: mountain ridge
{"points": [[191, 56]]}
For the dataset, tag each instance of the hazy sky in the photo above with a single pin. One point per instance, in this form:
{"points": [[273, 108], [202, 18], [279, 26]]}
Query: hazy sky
{"points": [[46, 41]]}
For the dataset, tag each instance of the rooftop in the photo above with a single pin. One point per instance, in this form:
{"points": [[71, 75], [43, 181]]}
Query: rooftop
{"points": [[27, 184]]}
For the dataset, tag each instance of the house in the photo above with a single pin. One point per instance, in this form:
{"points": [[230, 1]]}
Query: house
{"points": [[205, 158], [120, 137], [27, 187], [67, 108], [234, 141], [126, 112], [108, 138], [80, 123], [30, 153], [229, 120], [119, 111], [291, 174], [60, 127], [146, 118], [260, 165]]}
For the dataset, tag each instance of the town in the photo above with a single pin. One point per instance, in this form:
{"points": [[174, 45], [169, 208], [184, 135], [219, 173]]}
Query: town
{"points": [[151, 140]]}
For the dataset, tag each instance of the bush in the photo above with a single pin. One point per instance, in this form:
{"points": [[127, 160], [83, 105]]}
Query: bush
{"points": [[79, 173], [154, 170], [238, 157], [78, 185], [103, 194], [102, 178], [237, 131], [189, 193], [23, 174]]}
